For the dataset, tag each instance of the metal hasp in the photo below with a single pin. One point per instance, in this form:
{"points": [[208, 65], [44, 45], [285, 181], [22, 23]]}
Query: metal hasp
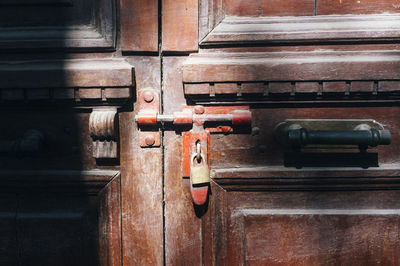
{"points": [[196, 124], [331, 133]]}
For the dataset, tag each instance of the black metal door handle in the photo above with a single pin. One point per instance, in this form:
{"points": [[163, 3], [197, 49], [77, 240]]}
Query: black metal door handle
{"points": [[331, 133], [298, 138]]}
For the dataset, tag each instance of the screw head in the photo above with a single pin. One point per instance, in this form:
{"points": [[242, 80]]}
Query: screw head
{"points": [[150, 140], [255, 131], [199, 110], [148, 96]]}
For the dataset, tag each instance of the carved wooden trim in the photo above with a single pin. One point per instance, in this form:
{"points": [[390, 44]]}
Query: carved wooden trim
{"points": [[66, 73], [78, 96], [210, 14], [294, 75], [86, 181], [282, 178], [285, 66], [304, 29], [103, 129], [291, 90], [82, 81], [99, 35]]}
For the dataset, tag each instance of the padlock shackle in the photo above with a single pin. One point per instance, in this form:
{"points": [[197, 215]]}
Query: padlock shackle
{"points": [[195, 155]]}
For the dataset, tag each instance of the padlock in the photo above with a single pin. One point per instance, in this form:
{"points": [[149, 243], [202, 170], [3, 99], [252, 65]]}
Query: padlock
{"points": [[199, 174]]}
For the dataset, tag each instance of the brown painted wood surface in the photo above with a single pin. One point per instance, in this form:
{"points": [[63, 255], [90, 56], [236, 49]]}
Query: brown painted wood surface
{"points": [[211, 12], [262, 149], [66, 73], [183, 245], [269, 8], [303, 228], [321, 65], [58, 25], [142, 185], [139, 25], [309, 29], [328, 7], [180, 25], [66, 213], [52, 216]]}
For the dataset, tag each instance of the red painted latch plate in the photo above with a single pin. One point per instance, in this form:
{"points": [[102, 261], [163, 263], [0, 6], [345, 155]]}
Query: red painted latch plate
{"points": [[149, 106], [190, 138], [197, 123]]}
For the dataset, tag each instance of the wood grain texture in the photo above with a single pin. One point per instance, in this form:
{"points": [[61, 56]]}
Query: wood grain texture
{"points": [[289, 92], [280, 178], [334, 87], [139, 25], [336, 237], [65, 216], [307, 87], [309, 29], [180, 25], [362, 86], [328, 7], [334, 228], [110, 246], [66, 73], [280, 87], [58, 25], [263, 150], [269, 8], [142, 200], [324, 65], [388, 86], [211, 12], [77, 96], [183, 243]]}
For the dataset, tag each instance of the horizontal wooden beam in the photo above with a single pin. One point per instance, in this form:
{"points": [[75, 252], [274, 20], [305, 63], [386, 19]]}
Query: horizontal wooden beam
{"points": [[283, 178], [292, 66], [85, 181], [305, 29]]}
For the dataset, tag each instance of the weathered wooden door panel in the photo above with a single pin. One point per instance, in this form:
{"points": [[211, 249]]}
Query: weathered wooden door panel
{"points": [[59, 152], [308, 7], [263, 149], [303, 228], [68, 217], [78, 24], [271, 205], [92, 195]]}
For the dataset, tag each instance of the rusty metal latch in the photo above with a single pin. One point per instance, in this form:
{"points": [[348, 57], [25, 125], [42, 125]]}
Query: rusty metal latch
{"points": [[196, 123]]}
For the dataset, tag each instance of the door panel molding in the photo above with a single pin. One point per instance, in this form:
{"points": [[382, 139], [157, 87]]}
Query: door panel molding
{"points": [[49, 206], [280, 178], [84, 82], [320, 75], [250, 226], [73, 33], [304, 29], [85, 181]]}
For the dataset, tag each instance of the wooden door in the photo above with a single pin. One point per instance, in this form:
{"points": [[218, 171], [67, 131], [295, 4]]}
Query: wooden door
{"points": [[61, 90], [79, 188], [286, 60]]}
